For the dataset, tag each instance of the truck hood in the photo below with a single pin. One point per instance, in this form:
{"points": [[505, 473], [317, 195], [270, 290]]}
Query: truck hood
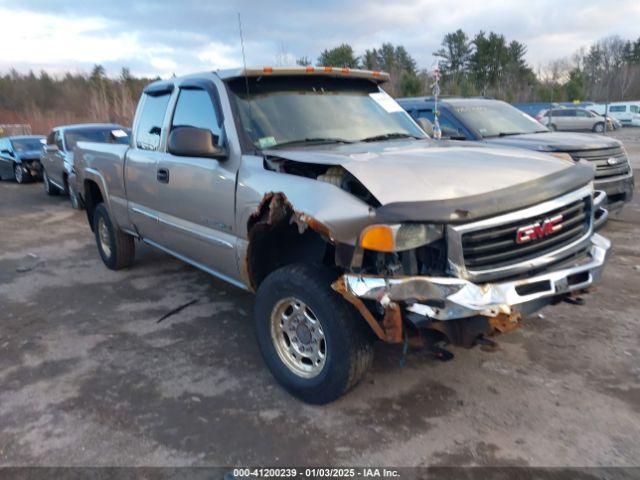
{"points": [[422, 181], [419, 171], [555, 141]]}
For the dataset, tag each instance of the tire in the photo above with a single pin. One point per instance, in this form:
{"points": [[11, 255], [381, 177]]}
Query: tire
{"points": [[598, 127], [49, 188], [116, 248], [340, 337], [19, 175]]}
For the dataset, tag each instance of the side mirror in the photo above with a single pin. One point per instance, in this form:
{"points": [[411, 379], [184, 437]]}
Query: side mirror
{"points": [[426, 125], [51, 148], [194, 142]]}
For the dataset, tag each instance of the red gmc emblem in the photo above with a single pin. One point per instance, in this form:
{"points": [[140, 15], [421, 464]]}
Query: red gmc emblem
{"points": [[538, 230]]}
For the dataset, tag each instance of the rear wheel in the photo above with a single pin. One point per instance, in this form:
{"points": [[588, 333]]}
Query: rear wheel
{"points": [[116, 248], [311, 339], [19, 174], [598, 127], [49, 188]]}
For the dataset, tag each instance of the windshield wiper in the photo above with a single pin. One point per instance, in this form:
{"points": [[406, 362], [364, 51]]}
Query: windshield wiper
{"points": [[388, 136], [315, 141]]}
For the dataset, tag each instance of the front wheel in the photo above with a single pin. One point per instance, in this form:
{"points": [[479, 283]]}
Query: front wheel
{"points": [[116, 248], [19, 174], [310, 337], [598, 127]]}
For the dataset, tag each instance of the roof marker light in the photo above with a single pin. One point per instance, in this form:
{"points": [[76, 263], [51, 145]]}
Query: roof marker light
{"points": [[328, 69], [267, 70], [345, 70], [310, 69]]}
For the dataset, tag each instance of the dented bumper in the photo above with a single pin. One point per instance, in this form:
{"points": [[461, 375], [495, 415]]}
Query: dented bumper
{"points": [[444, 298]]}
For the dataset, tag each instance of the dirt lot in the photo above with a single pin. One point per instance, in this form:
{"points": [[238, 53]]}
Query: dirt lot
{"points": [[88, 376]]}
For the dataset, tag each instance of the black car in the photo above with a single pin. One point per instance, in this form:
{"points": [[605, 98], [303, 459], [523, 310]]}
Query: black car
{"points": [[20, 157], [497, 123]]}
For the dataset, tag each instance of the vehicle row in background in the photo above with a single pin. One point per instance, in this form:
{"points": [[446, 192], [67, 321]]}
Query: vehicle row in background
{"points": [[496, 123]]}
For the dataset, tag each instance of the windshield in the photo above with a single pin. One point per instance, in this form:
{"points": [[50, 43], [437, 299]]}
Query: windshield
{"points": [[100, 135], [26, 144], [492, 119], [314, 110]]}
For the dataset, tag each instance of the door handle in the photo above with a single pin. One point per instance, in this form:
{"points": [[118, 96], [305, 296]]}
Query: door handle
{"points": [[163, 175]]}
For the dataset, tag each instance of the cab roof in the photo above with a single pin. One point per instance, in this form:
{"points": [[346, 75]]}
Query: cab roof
{"points": [[162, 86]]}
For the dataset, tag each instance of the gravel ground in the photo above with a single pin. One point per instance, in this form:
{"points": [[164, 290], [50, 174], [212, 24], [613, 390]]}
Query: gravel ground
{"points": [[88, 376]]}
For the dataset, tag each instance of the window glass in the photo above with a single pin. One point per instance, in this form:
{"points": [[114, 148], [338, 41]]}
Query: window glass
{"points": [[581, 113], [150, 122], [492, 118], [618, 108], [97, 134], [635, 108], [57, 139], [195, 109], [22, 145], [309, 109], [448, 127]]}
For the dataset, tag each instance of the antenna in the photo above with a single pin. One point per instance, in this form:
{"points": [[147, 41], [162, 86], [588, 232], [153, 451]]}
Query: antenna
{"points": [[244, 59]]}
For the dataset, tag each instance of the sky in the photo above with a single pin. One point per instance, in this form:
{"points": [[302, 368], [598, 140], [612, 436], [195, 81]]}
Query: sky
{"points": [[165, 37]]}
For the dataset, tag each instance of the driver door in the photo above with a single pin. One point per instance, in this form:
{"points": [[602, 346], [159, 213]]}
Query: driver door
{"points": [[196, 194]]}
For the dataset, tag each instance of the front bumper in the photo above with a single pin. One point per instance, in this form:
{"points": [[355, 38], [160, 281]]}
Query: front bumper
{"points": [[444, 298], [619, 190]]}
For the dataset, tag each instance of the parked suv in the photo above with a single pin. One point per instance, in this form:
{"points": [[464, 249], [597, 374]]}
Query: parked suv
{"points": [[20, 157], [497, 123], [574, 120], [57, 159], [313, 188]]}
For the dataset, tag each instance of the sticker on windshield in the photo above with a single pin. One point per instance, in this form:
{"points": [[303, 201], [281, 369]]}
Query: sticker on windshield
{"points": [[386, 102], [266, 142], [119, 133]]}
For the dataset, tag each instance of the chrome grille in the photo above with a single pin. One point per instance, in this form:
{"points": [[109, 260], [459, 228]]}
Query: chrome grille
{"points": [[600, 158], [496, 247]]}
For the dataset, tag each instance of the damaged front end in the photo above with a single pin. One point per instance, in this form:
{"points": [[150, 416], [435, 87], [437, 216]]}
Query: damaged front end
{"points": [[483, 277]]}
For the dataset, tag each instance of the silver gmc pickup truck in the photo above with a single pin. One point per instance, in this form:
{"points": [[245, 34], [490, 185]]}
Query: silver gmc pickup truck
{"points": [[313, 188]]}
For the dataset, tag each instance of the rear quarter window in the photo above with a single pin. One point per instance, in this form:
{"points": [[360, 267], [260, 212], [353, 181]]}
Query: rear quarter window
{"points": [[151, 119]]}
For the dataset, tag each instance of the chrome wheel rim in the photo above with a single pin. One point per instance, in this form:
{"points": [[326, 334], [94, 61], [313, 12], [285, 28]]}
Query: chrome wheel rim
{"points": [[298, 337], [18, 173], [103, 236]]}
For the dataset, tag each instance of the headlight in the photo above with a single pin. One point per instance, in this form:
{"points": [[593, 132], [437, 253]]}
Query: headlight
{"points": [[398, 237]]}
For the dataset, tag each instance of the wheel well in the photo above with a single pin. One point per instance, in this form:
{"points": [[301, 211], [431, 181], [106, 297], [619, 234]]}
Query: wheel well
{"points": [[92, 197], [273, 247], [276, 240]]}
